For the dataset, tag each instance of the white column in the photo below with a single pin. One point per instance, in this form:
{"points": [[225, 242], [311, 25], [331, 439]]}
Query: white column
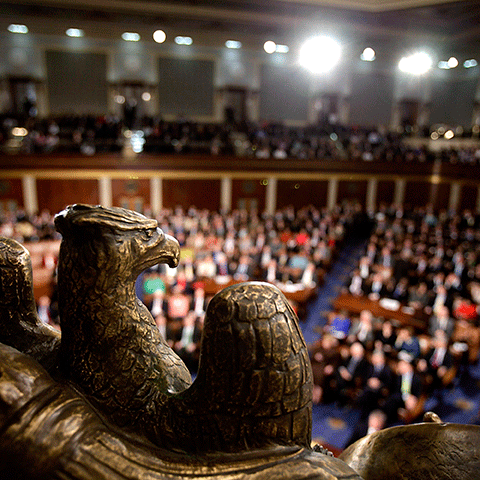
{"points": [[226, 194], [399, 194], [30, 197], [271, 196], [156, 195], [371, 201], [332, 193], [455, 192], [105, 191]]}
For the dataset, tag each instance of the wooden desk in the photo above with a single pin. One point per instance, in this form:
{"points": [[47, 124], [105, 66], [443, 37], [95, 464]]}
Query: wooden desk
{"points": [[301, 297], [354, 304]]}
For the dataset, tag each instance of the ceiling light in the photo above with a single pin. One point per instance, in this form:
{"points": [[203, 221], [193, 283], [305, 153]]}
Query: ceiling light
{"points": [[416, 64], [19, 132], [146, 97], [17, 28], [131, 36], [75, 32], [452, 62], [119, 99], [282, 49], [183, 40], [449, 134], [159, 36], [368, 55], [470, 63], [270, 47], [233, 44], [320, 54], [443, 65]]}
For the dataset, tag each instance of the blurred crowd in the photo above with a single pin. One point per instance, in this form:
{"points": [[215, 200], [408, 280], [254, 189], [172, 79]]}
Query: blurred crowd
{"points": [[109, 133], [423, 264], [291, 249]]}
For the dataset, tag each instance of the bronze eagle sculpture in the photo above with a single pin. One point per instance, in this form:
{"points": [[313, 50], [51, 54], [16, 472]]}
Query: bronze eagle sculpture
{"points": [[111, 400]]}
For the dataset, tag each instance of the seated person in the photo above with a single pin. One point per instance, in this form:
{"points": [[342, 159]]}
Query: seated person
{"points": [[338, 325]]}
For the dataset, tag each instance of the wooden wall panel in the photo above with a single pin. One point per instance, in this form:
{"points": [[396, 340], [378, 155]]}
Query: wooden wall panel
{"points": [[200, 193], [55, 195], [352, 190], [133, 194], [11, 194], [301, 193], [468, 197], [385, 192], [417, 194], [248, 194], [442, 196]]}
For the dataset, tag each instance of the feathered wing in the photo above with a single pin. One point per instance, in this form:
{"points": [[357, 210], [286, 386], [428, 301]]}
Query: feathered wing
{"points": [[20, 326], [254, 381]]}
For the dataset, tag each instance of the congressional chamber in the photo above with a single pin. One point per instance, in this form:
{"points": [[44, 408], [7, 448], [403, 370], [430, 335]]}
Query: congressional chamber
{"points": [[349, 178]]}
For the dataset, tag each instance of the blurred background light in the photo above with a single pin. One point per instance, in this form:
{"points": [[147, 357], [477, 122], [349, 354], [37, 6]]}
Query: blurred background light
{"points": [[183, 40], [75, 32], [159, 36], [131, 36], [282, 49], [17, 28], [233, 44], [320, 54], [452, 62], [368, 55], [270, 47], [470, 63], [416, 64]]}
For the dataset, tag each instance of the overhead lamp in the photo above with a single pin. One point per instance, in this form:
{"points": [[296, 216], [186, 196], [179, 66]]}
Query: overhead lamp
{"points": [[470, 63], [183, 40], [146, 97], [452, 62], [19, 132], [75, 32], [449, 134], [368, 55], [131, 36], [320, 54], [159, 36], [416, 64], [235, 44], [17, 28], [282, 49], [270, 47]]}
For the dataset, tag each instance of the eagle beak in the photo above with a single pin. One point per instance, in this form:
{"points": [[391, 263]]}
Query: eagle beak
{"points": [[170, 251]]}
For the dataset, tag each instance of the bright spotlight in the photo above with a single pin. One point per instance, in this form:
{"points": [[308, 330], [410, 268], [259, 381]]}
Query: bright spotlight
{"points": [[320, 54], [368, 55], [452, 62], [416, 64], [270, 47], [159, 36]]}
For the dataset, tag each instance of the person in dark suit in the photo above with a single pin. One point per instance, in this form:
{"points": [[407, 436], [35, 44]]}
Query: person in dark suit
{"points": [[437, 362], [406, 392], [378, 385], [442, 321], [351, 376], [375, 422]]}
